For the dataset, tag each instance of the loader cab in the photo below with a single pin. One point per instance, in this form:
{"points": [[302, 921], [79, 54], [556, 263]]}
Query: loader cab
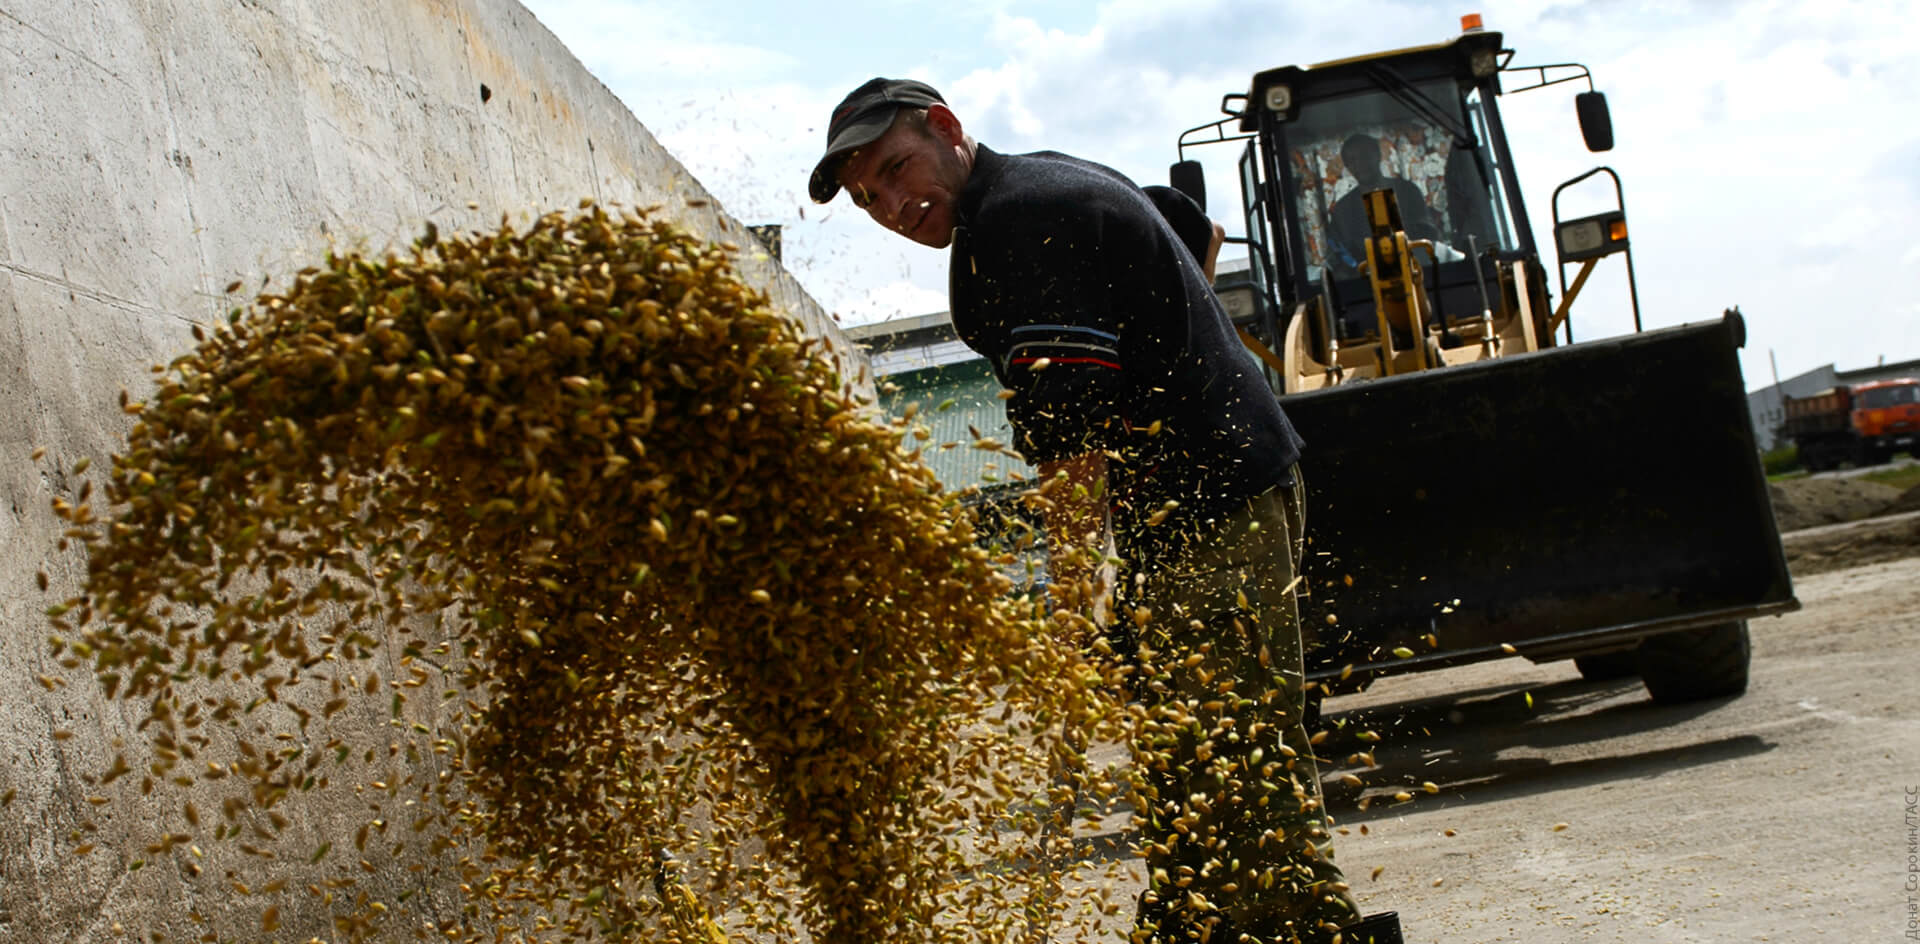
{"points": [[1423, 123]]}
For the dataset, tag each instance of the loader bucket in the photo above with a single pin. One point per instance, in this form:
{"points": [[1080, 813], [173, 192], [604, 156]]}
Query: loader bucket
{"points": [[1549, 501]]}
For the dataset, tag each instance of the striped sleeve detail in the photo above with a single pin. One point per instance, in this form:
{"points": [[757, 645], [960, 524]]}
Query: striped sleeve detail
{"points": [[1064, 344]]}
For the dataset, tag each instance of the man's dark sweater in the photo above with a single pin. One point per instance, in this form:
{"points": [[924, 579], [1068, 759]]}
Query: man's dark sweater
{"points": [[1092, 310]]}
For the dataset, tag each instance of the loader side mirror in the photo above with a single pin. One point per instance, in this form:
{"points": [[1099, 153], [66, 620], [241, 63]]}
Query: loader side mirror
{"points": [[1189, 178], [1596, 125]]}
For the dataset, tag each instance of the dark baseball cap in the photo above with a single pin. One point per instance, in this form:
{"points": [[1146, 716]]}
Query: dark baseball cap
{"points": [[863, 116]]}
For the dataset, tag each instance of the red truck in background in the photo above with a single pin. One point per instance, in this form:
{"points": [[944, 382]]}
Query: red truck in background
{"points": [[1862, 424]]}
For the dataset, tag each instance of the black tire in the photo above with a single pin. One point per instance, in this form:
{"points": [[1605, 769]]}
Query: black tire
{"points": [[1695, 664], [1606, 666]]}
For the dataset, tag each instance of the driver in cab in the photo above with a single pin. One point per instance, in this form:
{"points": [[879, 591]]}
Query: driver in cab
{"points": [[1347, 228]]}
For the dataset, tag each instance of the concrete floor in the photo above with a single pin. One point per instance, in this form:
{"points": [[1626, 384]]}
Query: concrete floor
{"points": [[1570, 810]]}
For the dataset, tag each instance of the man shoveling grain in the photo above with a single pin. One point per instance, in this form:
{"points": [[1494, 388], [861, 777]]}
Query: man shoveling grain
{"points": [[1152, 431]]}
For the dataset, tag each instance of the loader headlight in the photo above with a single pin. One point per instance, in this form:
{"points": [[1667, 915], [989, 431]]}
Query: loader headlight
{"points": [[1591, 237], [1584, 236], [1279, 98], [1483, 63]]}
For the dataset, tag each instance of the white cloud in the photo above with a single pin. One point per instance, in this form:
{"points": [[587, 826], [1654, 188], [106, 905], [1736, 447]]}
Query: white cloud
{"points": [[897, 299], [1766, 149], [1758, 161], [655, 47]]}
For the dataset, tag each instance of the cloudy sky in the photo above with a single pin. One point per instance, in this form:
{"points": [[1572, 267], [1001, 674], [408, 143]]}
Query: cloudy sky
{"points": [[1770, 151]]}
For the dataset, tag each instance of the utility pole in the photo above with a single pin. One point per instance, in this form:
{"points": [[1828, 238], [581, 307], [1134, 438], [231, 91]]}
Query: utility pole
{"points": [[1779, 400]]}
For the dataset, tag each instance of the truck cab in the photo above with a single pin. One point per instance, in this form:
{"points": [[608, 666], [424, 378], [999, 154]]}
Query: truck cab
{"points": [[1886, 417]]}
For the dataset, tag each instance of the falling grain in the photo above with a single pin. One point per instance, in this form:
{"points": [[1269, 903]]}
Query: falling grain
{"points": [[496, 467]]}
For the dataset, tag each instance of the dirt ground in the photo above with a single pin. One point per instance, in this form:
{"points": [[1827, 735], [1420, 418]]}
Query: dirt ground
{"points": [[1840, 546], [1831, 523]]}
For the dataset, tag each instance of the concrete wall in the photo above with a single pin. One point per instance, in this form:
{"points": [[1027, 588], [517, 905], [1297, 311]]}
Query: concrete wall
{"points": [[151, 152]]}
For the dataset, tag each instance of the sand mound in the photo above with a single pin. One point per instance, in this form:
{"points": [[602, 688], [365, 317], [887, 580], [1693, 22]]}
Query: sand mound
{"points": [[1909, 500], [1810, 502]]}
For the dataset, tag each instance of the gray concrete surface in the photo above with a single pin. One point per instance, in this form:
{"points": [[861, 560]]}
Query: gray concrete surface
{"points": [[1564, 810], [151, 152], [1571, 810]]}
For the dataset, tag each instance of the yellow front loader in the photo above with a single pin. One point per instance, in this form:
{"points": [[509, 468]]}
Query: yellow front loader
{"points": [[1479, 485]]}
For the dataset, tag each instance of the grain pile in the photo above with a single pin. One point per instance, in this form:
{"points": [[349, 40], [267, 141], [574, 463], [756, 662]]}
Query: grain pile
{"points": [[604, 569]]}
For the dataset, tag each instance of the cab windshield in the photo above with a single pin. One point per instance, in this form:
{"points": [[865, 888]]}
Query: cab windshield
{"points": [[1878, 397], [1426, 142]]}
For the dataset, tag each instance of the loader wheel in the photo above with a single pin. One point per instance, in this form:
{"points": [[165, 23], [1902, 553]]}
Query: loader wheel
{"points": [[1605, 666], [1695, 664]]}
